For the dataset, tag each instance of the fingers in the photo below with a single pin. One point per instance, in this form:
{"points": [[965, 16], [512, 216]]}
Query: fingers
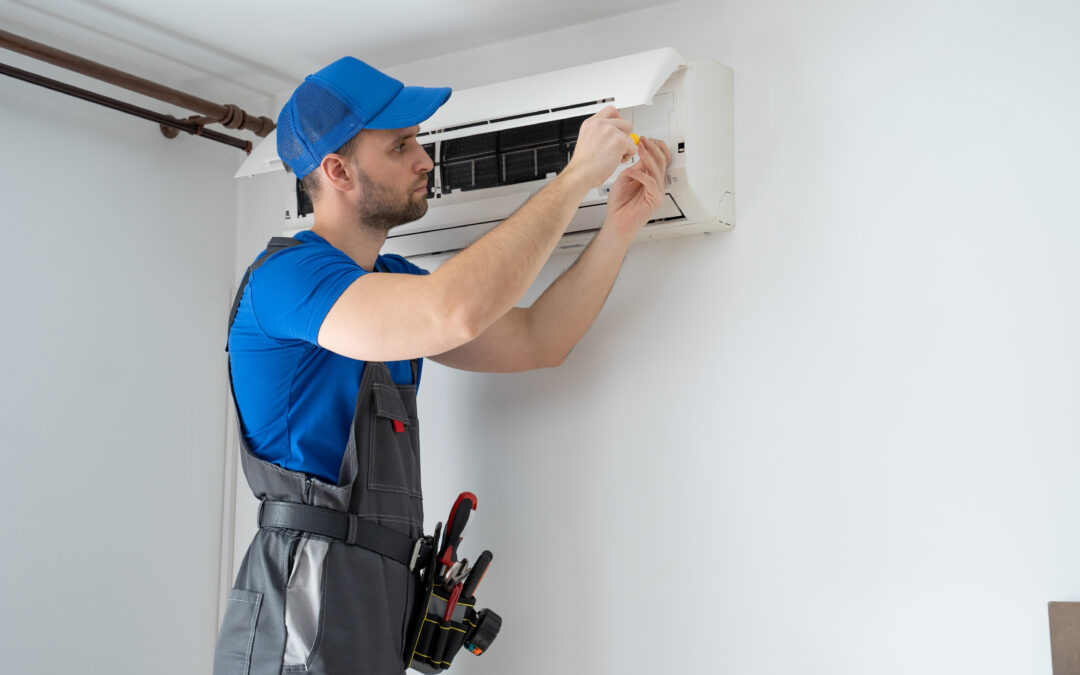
{"points": [[648, 157], [604, 137], [657, 149], [647, 181], [666, 151], [654, 157], [645, 167], [629, 151]]}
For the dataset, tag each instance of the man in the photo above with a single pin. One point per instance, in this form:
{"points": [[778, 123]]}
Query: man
{"points": [[325, 358]]}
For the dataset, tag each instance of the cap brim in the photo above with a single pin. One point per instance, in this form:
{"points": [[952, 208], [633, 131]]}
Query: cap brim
{"points": [[411, 106]]}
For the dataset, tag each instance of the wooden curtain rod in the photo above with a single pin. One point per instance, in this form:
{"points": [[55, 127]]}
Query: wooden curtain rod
{"points": [[229, 115], [166, 121]]}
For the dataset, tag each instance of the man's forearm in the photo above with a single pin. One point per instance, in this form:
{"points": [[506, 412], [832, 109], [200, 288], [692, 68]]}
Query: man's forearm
{"points": [[562, 315], [488, 277]]}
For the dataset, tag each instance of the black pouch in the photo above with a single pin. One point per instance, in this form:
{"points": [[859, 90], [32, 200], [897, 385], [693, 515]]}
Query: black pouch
{"points": [[434, 640], [438, 640]]}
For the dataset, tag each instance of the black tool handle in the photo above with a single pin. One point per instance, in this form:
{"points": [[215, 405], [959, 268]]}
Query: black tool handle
{"points": [[459, 516], [476, 574]]}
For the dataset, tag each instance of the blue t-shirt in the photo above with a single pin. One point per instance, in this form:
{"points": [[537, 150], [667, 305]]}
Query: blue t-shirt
{"points": [[296, 399]]}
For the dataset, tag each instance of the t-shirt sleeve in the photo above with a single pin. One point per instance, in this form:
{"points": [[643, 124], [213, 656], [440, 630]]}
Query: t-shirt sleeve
{"points": [[294, 290]]}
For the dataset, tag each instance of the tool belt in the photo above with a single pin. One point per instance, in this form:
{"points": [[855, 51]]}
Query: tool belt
{"points": [[446, 621], [347, 528], [442, 621]]}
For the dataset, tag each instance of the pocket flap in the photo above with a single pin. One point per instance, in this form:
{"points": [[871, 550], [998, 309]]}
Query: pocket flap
{"points": [[388, 404]]}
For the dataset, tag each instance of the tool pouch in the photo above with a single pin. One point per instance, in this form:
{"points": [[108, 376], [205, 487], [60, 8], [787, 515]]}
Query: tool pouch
{"points": [[438, 640], [433, 641]]}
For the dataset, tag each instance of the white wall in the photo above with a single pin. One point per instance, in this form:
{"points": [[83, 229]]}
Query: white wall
{"points": [[841, 438], [117, 266]]}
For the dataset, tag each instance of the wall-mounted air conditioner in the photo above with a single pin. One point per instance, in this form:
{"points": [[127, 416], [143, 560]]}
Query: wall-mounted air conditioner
{"points": [[495, 146]]}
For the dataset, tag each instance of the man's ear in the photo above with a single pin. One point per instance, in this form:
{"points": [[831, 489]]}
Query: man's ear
{"points": [[337, 172]]}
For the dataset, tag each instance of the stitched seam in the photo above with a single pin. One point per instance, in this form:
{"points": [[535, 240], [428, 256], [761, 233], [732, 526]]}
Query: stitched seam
{"points": [[251, 633], [402, 416], [371, 468], [375, 516], [438, 624], [391, 488]]}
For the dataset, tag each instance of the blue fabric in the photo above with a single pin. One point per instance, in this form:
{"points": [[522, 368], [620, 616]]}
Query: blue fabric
{"points": [[334, 104], [296, 399]]}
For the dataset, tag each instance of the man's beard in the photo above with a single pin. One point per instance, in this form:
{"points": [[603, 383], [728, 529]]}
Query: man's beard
{"points": [[382, 208]]}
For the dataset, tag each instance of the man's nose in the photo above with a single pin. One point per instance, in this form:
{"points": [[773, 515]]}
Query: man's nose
{"points": [[427, 165]]}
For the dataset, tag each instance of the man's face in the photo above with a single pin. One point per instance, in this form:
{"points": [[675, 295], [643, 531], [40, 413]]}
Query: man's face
{"points": [[392, 171]]}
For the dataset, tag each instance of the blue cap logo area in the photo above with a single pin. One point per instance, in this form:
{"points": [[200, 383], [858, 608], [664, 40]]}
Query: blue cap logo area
{"points": [[334, 104]]}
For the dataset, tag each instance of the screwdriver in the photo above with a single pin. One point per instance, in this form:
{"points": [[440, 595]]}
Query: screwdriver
{"points": [[477, 574]]}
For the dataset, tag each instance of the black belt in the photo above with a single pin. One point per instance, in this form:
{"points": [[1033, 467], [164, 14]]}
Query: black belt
{"points": [[345, 527]]}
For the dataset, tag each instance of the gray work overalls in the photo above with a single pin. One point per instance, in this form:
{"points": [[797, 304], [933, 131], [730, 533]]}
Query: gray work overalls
{"points": [[312, 594]]}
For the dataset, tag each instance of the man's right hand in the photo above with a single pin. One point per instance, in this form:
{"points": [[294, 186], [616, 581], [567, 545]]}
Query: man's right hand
{"points": [[602, 145]]}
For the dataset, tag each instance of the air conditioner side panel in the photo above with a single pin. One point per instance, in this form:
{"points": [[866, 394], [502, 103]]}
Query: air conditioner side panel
{"points": [[709, 119]]}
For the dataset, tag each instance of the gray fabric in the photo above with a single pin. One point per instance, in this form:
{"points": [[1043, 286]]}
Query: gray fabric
{"points": [[233, 653], [364, 598], [303, 600]]}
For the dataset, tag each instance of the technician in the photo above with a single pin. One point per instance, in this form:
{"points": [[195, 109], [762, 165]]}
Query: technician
{"points": [[325, 347]]}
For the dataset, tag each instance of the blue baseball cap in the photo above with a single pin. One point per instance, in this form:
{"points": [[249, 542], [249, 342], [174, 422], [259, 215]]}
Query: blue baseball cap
{"points": [[334, 104]]}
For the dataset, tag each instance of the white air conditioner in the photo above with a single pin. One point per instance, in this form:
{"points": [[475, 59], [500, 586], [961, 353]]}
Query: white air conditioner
{"points": [[495, 146]]}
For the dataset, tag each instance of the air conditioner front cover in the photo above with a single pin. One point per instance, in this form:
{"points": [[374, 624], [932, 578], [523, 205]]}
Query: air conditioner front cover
{"points": [[623, 82]]}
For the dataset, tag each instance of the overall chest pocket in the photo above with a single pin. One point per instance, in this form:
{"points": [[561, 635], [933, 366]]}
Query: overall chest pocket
{"points": [[393, 444]]}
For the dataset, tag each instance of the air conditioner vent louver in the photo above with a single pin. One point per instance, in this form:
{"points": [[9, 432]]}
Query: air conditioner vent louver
{"points": [[507, 157], [509, 118]]}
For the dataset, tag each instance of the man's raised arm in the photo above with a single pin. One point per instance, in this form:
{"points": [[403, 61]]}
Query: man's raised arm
{"points": [[389, 317]]}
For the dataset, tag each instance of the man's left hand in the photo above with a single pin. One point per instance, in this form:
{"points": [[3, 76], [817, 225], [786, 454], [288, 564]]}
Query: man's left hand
{"points": [[639, 189]]}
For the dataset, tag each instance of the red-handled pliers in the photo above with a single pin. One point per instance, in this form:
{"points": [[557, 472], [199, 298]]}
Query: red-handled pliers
{"points": [[454, 526], [452, 602]]}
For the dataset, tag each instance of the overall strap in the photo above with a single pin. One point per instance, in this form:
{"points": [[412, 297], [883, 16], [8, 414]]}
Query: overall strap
{"points": [[276, 244]]}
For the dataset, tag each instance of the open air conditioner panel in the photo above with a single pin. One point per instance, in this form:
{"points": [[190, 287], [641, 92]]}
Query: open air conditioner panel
{"points": [[493, 147]]}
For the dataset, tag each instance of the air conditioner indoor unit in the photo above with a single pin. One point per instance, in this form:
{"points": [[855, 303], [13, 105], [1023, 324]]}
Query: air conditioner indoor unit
{"points": [[496, 145]]}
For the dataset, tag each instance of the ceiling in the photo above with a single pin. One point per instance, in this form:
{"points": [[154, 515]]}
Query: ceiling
{"points": [[248, 52]]}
